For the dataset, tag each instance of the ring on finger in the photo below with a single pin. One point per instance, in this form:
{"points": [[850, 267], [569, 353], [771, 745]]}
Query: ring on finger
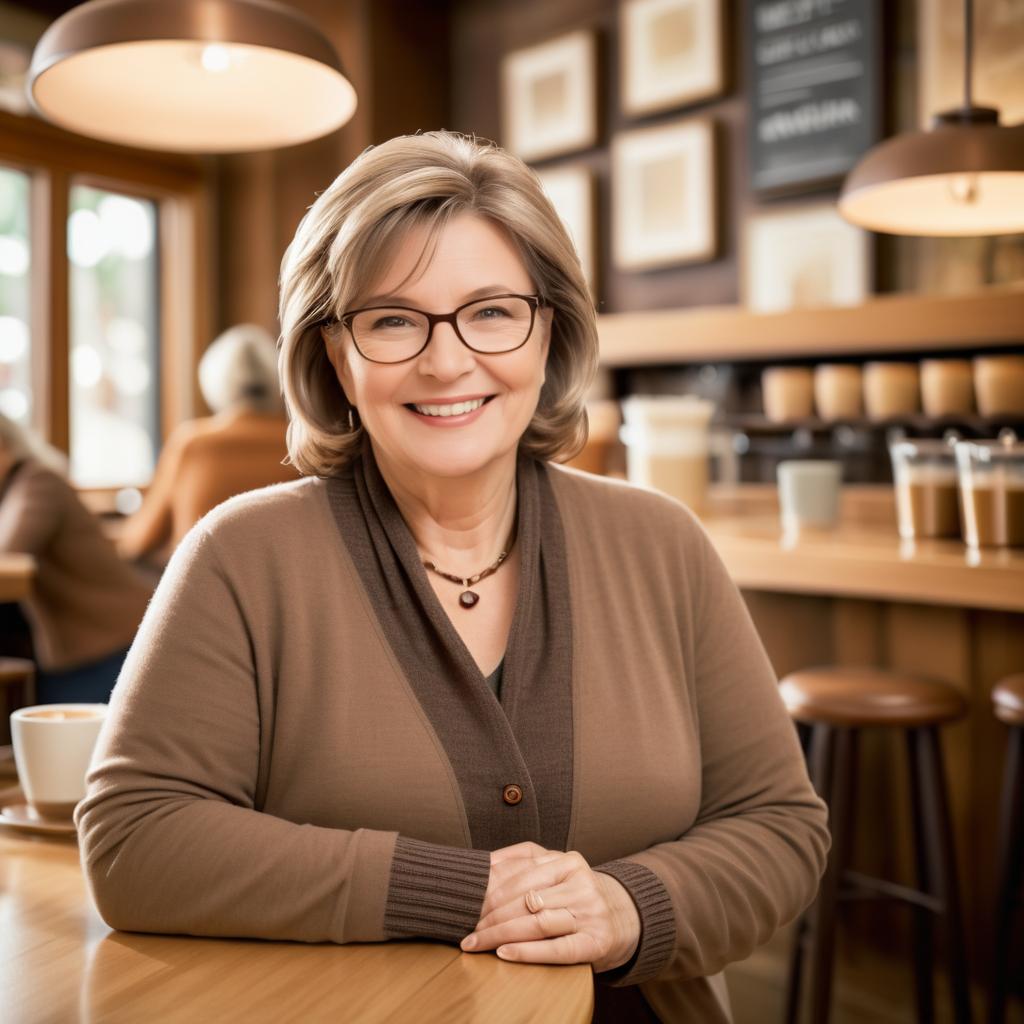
{"points": [[534, 901]]}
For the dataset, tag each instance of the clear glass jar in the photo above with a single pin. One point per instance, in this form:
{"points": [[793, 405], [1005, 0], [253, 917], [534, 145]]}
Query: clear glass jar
{"points": [[925, 475], [992, 491]]}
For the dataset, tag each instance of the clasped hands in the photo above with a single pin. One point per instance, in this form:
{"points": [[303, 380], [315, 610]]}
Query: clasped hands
{"points": [[548, 907]]}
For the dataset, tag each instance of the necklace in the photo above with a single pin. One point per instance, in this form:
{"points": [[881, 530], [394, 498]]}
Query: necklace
{"points": [[469, 598]]}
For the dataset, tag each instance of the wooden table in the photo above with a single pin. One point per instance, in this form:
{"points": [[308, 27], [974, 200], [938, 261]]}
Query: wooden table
{"points": [[60, 963], [16, 573]]}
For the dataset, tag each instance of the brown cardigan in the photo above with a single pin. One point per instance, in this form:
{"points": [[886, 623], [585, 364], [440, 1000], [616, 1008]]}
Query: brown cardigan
{"points": [[287, 757], [85, 604]]}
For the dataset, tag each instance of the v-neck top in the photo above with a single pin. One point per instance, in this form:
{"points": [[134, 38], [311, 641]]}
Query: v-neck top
{"points": [[301, 747]]}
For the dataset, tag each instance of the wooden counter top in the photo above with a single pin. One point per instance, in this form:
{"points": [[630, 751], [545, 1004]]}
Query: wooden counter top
{"points": [[867, 560], [60, 962]]}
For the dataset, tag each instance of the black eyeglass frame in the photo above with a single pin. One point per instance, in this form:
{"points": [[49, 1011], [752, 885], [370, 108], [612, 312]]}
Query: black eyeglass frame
{"points": [[535, 302]]}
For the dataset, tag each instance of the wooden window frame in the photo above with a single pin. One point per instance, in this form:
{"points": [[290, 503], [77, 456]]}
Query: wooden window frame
{"points": [[180, 185]]}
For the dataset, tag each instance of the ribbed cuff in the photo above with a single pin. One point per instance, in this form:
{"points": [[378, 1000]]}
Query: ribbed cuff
{"points": [[435, 892], [657, 923]]}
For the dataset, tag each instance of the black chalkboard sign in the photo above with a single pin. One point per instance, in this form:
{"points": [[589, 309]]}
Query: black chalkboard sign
{"points": [[814, 89]]}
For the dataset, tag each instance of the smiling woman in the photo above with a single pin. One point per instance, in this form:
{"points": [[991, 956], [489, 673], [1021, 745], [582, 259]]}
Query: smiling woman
{"points": [[444, 687]]}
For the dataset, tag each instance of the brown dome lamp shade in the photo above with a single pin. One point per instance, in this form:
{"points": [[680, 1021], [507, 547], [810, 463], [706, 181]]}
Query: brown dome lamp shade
{"points": [[964, 177], [200, 76]]}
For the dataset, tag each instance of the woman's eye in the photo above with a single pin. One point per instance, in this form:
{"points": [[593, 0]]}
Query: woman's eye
{"points": [[492, 313], [390, 321]]}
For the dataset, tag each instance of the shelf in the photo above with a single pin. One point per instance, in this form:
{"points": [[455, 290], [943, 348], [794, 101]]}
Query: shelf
{"points": [[993, 318], [983, 426]]}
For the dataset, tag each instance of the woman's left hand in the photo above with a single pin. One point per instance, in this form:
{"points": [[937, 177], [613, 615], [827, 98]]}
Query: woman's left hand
{"points": [[557, 910]]}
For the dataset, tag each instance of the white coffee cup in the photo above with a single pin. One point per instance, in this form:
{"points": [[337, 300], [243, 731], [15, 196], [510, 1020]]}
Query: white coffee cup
{"points": [[809, 493], [53, 744]]}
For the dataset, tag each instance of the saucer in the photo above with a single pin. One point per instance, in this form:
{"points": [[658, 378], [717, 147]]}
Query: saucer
{"points": [[22, 817]]}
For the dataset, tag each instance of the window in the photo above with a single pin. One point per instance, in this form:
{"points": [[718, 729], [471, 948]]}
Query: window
{"points": [[114, 327], [104, 297], [15, 297]]}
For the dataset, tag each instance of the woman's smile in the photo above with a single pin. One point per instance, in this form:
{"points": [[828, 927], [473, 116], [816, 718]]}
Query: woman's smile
{"points": [[450, 412]]}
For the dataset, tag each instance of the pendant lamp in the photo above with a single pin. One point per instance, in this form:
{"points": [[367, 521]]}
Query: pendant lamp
{"points": [[199, 76], [964, 177]]}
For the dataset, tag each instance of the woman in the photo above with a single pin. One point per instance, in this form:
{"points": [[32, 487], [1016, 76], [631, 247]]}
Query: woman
{"points": [[206, 461], [383, 701], [85, 604]]}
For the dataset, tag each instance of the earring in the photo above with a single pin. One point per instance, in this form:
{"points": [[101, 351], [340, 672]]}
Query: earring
{"points": [[353, 424]]}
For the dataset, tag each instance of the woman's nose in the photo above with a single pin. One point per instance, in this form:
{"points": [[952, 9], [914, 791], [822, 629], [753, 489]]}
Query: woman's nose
{"points": [[446, 357]]}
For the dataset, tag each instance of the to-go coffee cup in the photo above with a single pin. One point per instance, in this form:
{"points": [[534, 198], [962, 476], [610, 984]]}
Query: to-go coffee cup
{"points": [[890, 389], [787, 393], [53, 744]]}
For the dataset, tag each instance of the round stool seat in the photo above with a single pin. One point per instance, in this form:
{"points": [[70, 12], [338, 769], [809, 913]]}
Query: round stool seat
{"points": [[834, 695], [16, 670], [1008, 700]]}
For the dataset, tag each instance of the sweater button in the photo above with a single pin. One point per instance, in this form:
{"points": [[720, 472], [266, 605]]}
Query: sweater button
{"points": [[512, 795]]}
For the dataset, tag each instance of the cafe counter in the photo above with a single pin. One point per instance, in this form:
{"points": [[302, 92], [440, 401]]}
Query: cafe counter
{"points": [[858, 595]]}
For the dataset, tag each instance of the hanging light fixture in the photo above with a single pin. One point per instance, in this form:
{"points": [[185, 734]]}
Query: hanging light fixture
{"points": [[964, 177], [192, 75]]}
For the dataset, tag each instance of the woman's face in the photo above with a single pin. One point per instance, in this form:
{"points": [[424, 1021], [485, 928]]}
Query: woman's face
{"points": [[473, 259]]}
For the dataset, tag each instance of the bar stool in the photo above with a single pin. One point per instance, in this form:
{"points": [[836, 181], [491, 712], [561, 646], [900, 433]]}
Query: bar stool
{"points": [[835, 703], [1008, 704], [17, 679]]}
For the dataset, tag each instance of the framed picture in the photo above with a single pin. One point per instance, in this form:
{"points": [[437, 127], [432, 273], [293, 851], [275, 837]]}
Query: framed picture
{"points": [[804, 256], [549, 97], [672, 53], [998, 57], [663, 195], [571, 191]]}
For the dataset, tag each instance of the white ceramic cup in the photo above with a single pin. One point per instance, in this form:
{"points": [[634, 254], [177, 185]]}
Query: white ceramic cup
{"points": [[809, 493], [53, 744]]}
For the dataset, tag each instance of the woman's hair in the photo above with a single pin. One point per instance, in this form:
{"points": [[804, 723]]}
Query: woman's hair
{"points": [[342, 248], [239, 368], [22, 443]]}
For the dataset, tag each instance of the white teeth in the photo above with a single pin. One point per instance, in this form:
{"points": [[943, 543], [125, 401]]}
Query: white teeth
{"points": [[449, 410]]}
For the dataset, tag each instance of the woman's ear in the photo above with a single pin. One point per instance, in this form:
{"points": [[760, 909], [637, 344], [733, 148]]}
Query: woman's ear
{"points": [[336, 356]]}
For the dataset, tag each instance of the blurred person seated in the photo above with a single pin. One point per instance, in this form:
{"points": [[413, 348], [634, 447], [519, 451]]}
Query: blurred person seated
{"points": [[206, 461], [85, 604]]}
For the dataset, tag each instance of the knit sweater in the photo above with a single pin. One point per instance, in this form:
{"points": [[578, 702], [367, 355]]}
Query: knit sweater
{"points": [[203, 463], [85, 603], [284, 759]]}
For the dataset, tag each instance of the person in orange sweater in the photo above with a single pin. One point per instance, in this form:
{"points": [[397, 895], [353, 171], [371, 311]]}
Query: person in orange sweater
{"points": [[206, 461]]}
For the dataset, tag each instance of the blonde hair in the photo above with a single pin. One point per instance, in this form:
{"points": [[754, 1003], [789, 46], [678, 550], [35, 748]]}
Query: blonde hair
{"points": [[239, 368], [342, 246]]}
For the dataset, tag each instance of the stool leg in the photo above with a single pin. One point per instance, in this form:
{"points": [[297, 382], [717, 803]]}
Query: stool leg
{"points": [[924, 943], [841, 821], [818, 743], [940, 849], [1010, 870]]}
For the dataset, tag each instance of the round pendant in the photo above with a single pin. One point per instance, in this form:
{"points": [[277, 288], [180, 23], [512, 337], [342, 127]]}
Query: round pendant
{"points": [[467, 598]]}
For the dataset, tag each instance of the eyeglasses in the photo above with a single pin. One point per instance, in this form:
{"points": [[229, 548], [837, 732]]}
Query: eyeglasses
{"points": [[394, 334]]}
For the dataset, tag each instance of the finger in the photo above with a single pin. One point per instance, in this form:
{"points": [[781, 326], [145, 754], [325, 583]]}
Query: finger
{"points": [[557, 896], [545, 924], [514, 878], [526, 849], [541, 875], [578, 948]]}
